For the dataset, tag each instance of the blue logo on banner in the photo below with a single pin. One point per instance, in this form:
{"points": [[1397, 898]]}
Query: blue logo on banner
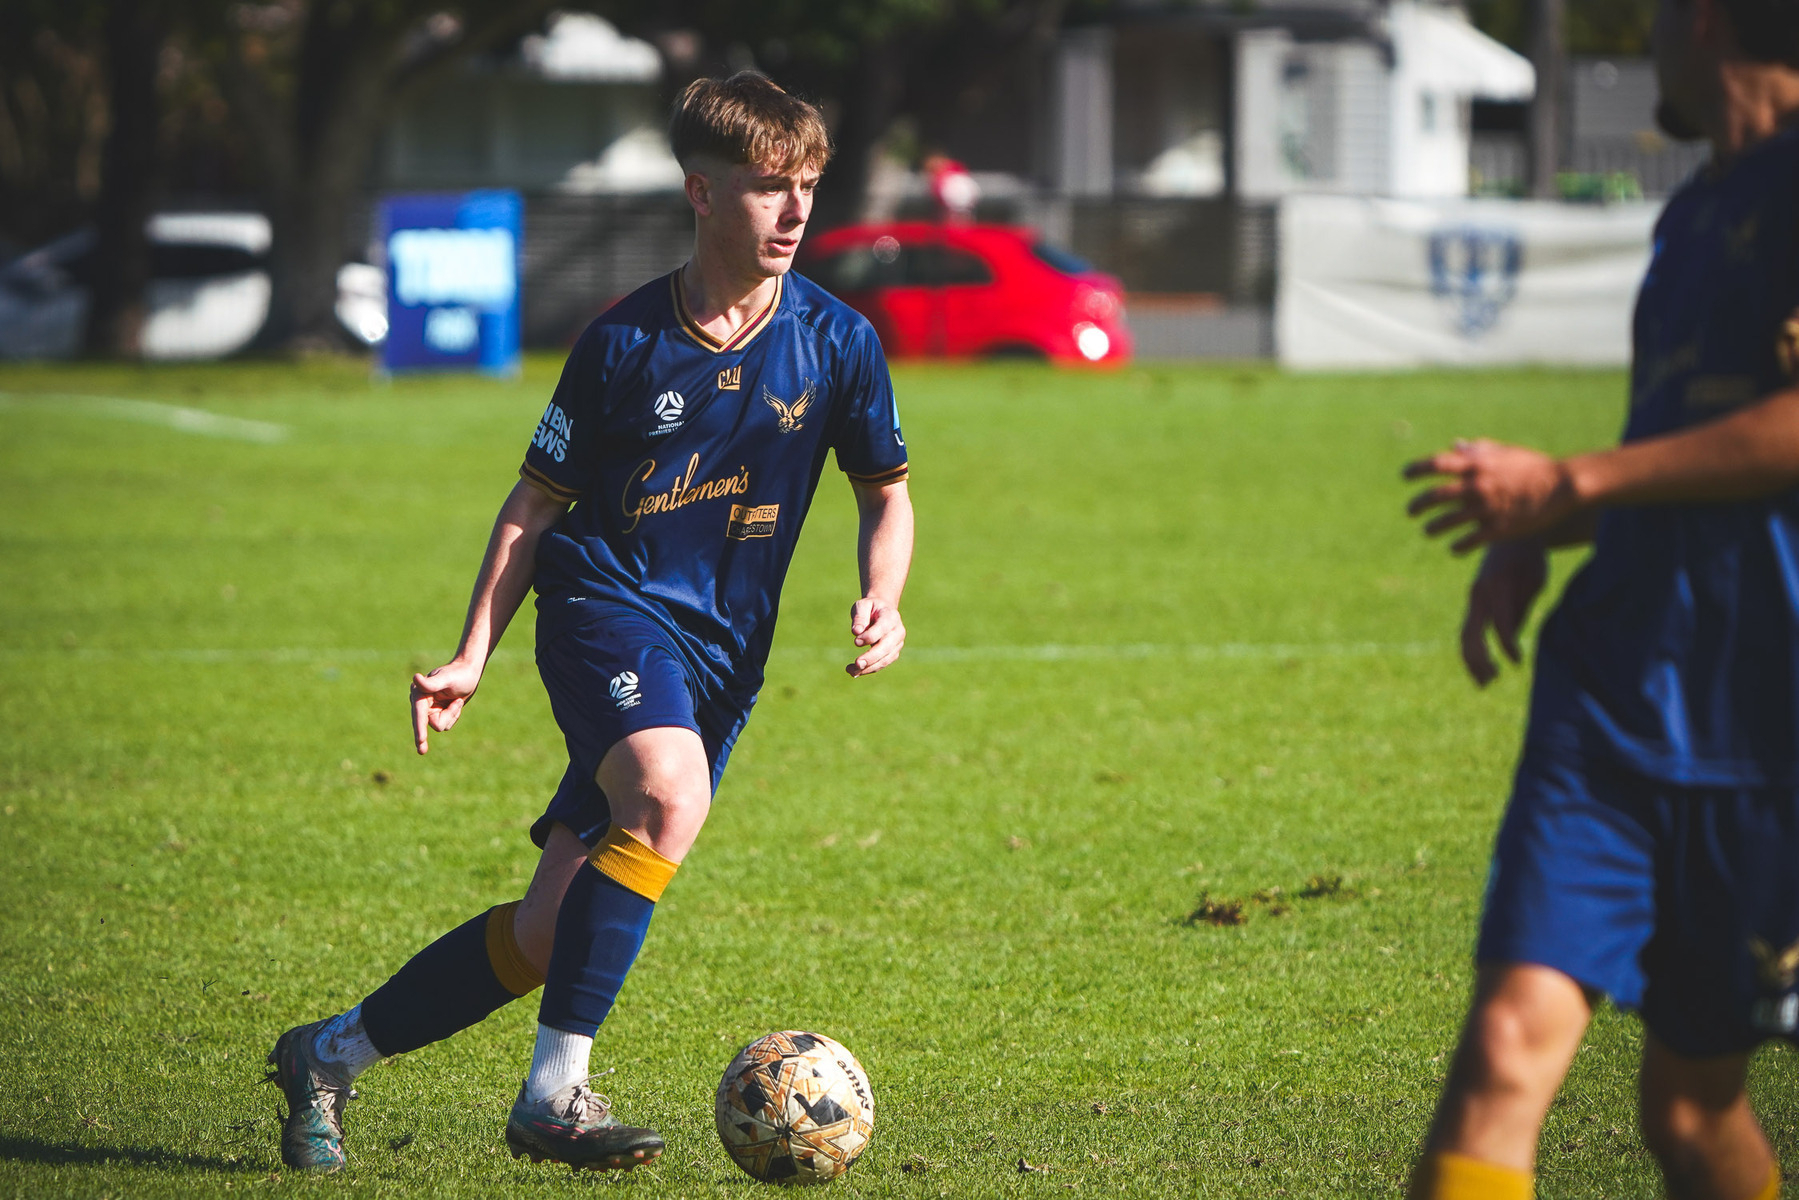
{"points": [[452, 281], [1474, 273]]}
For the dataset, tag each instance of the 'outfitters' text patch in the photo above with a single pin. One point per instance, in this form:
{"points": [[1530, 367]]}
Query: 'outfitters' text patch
{"points": [[752, 521]]}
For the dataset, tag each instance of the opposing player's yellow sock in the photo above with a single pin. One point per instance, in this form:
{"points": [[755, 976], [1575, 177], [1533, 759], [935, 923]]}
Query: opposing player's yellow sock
{"points": [[505, 956], [1771, 1190], [1444, 1176]]}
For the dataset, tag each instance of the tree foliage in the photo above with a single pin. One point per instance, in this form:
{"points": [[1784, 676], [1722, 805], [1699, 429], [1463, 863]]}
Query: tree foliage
{"points": [[1594, 27]]}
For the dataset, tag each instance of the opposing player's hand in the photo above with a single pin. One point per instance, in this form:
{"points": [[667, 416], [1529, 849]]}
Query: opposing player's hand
{"points": [[875, 624], [437, 698], [1504, 492], [1510, 578]]}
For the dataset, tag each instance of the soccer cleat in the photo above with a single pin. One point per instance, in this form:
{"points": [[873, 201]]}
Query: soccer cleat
{"points": [[312, 1134], [576, 1126]]}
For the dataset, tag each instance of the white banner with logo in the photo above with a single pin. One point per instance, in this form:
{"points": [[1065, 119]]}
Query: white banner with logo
{"points": [[1370, 284]]}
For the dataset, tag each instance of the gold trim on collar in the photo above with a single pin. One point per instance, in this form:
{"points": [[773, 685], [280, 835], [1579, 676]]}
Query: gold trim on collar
{"points": [[746, 333]]}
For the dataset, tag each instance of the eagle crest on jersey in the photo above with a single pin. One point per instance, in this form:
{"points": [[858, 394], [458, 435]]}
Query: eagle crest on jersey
{"points": [[790, 415], [1777, 968]]}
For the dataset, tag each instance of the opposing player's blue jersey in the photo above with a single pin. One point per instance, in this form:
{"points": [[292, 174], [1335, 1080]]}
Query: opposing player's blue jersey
{"points": [[1675, 649], [691, 464]]}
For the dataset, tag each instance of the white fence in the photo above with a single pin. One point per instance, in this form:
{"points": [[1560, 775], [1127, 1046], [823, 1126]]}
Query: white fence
{"points": [[1379, 284]]}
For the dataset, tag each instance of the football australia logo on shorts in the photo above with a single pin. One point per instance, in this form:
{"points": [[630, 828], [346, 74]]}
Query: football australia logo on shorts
{"points": [[752, 521], [624, 690]]}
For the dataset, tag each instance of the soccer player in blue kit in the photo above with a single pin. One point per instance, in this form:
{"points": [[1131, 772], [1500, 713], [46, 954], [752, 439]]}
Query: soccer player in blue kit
{"points": [[688, 434], [1650, 851]]}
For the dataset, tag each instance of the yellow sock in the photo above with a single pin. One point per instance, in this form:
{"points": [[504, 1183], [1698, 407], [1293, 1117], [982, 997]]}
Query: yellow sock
{"points": [[631, 864], [510, 966], [1443, 1176]]}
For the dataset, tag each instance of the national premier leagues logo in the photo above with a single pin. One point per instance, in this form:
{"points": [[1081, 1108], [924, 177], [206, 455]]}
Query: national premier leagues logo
{"points": [[789, 416], [624, 690], [670, 406], [1474, 275]]}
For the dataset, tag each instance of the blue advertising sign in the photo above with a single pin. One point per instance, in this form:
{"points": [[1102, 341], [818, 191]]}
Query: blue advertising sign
{"points": [[452, 281]]}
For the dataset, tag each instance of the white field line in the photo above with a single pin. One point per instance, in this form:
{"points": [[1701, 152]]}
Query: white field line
{"points": [[149, 412], [1042, 653]]}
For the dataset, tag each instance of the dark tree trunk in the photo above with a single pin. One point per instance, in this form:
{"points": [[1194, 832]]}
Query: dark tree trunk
{"points": [[870, 103], [352, 67], [1549, 54], [128, 181], [344, 88]]}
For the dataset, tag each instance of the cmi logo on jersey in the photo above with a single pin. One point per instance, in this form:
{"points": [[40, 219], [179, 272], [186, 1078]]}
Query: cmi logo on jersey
{"points": [[553, 432], [624, 690], [730, 379], [789, 416]]}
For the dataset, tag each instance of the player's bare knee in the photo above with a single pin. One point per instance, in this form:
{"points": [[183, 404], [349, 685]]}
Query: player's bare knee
{"points": [[1499, 1035]]}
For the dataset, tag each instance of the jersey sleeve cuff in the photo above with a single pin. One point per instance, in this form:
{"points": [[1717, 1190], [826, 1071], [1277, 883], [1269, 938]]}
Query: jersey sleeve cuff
{"points": [[881, 478], [546, 485]]}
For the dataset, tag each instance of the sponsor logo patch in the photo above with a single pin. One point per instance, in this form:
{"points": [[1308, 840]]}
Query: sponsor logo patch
{"points": [[752, 521], [553, 432], [624, 690], [730, 379], [680, 494]]}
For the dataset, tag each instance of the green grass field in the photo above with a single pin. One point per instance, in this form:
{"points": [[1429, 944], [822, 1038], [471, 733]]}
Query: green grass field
{"points": [[1171, 639]]}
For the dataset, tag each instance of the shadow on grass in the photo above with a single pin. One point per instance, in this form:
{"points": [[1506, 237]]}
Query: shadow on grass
{"points": [[24, 1149]]}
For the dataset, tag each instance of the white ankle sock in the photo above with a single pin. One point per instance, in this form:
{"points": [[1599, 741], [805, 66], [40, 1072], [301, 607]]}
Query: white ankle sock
{"points": [[344, 1046], [559, 1060]]}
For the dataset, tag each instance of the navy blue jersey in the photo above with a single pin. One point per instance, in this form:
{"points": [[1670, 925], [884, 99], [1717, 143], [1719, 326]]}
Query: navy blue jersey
{"points": [[1676, 647], [691, 463]]}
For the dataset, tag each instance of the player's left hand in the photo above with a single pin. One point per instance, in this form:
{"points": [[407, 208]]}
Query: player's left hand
{"points": [[1505, 492], [876, 624]]}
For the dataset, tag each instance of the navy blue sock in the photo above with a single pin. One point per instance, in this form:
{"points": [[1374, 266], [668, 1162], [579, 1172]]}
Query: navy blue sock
{"points": [[599, 930], [451, 984]]}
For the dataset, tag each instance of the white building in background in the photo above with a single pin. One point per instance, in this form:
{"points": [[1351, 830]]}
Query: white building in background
{"points": [[1259, 103], [579, 110]]}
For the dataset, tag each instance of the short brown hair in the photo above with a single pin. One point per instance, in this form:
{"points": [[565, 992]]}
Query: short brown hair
{"points": [[748, 118]]}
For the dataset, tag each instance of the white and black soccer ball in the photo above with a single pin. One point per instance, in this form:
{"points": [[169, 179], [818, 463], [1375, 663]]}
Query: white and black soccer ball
{"points": [[795, 1108]]}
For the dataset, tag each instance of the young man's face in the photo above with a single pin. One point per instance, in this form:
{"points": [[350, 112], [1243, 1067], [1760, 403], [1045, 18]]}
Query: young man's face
{"points": [[753, 216]]}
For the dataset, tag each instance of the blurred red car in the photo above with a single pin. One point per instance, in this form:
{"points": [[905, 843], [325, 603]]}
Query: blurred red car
{"points": [[965, 291]]}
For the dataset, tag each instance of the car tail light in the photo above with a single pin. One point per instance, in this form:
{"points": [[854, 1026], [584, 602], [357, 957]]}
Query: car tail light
{"points": [[1091, 341]]}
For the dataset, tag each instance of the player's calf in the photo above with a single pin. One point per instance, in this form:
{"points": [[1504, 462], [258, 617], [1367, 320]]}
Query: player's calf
{"points": [[1696, 1120], [1521, 1033], [605, 915]]}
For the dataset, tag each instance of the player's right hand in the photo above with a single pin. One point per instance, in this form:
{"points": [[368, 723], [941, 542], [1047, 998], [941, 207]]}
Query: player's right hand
{"points": [[437, 698], [1510, 578]]}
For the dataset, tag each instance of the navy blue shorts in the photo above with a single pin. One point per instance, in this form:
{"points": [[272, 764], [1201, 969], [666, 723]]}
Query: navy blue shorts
{"points": [[608, 679], [1681, 903]]}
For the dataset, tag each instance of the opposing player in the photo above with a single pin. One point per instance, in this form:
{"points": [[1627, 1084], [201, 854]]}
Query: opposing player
{"points": [[688, 431], [1651, 848]]}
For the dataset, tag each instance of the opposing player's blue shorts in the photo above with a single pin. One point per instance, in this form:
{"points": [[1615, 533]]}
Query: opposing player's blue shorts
{"points": [[1681, 903], [607, 679]]}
